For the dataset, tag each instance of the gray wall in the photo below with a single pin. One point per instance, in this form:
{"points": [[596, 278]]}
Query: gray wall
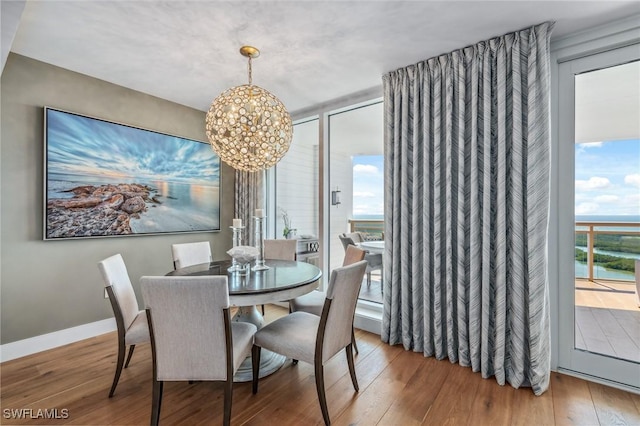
{"points": [[52, 285]]}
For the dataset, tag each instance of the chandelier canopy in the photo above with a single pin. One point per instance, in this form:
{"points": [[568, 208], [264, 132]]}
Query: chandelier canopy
{"points": [[247, 126]]}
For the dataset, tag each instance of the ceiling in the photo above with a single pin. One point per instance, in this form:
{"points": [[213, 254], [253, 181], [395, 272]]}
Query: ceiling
{"points": [[313, 52]]}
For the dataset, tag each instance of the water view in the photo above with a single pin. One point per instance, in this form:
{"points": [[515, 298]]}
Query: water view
{"points": [[106, 178], [171, 206], [607, 189], [614, 253]]}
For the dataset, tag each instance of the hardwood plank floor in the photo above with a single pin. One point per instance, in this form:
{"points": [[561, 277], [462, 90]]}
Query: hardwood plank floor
{"points": [[396, 388]]}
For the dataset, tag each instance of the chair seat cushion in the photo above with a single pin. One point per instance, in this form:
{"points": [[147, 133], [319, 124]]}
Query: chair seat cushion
{"points": [[138, 331], [242, 335], [293, 336], [311, 303]]}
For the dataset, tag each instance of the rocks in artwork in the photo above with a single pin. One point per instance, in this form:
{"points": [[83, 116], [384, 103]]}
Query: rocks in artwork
{"points": [[98, 210]]}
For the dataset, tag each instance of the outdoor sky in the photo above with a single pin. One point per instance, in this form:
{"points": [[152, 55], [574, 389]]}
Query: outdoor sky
{"points": [[368, 185], [84, 146], [608, 178]]}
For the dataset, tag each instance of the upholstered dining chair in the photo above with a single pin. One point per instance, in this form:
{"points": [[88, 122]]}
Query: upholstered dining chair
{"points": [[309, 338], [280, 250], [192, 335], [130, 320], [374, 260], [314, 301], [188, 254]]}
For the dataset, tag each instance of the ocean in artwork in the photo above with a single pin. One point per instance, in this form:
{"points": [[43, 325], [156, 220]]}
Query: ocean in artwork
{"points": [[181, 206], [106, 179]]}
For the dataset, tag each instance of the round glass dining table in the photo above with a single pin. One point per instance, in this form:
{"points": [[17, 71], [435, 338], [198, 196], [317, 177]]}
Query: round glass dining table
{"points": [[284, 280]]}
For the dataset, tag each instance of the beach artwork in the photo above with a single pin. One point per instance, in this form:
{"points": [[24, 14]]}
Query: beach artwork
{"points": [[108, 179]]}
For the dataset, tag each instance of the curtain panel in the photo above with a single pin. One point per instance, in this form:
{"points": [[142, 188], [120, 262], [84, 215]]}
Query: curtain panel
{"points": [[249, 196], [467, 141]]}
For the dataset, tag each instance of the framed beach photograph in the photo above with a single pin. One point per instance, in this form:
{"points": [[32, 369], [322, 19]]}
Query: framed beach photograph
{"points": [[109, 179]]}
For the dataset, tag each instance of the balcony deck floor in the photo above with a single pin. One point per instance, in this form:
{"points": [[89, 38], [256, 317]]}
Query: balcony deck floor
{"points": [[608, 318], [372, 292]]}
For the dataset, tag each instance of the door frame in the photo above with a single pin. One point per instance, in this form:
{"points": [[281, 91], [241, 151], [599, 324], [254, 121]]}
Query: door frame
{"points": [[625, 373]]}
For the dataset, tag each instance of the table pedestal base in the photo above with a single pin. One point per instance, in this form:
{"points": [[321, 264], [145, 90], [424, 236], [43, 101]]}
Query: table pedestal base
{"points": [[269, 361]]}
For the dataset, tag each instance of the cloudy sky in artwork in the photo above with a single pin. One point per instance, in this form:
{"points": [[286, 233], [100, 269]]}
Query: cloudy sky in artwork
{"points": [[78, 145]]}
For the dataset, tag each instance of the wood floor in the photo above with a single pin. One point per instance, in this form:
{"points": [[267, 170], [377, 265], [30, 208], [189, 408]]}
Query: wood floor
{"points": [[396, 388]]}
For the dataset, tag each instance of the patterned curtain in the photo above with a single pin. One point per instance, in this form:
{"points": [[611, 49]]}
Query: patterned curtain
{"points": [[249, 191], [467, 139]]}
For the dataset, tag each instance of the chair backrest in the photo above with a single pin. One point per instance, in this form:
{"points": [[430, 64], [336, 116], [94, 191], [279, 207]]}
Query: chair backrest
{"points": [[124, 303], [188, 254], [352, 255], [356, 237], [280, 249], [336, 322], [346, 241], [187, 326]]}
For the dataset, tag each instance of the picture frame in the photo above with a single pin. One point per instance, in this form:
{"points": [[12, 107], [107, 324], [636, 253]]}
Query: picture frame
{"points": [[108, 179]]}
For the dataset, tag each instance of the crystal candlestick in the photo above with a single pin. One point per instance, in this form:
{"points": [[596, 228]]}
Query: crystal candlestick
{"points": [[237, 237], [259, 222]]}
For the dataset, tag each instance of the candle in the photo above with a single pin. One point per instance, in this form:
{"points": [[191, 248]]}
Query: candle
{"points": [[259, 213], [237, 223]]}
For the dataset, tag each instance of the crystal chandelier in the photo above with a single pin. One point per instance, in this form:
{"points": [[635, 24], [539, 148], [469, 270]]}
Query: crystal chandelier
{"points": [[248, 127]]}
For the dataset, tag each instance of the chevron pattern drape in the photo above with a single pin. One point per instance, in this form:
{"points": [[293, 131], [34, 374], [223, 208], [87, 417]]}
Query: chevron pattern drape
{"points": [[467, 139], [249, 196]]}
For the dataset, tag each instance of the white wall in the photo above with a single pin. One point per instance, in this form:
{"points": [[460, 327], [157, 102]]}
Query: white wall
{"points": [[47, 286], [297, 182], [341, 176]]}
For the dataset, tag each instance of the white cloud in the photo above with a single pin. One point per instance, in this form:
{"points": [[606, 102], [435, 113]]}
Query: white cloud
{"points": [[365, 168], [632, 201], [633, 180], [582, 147], [591, 144], [587, 208], [364, 195], [607, 198], [594, 182], [367, 209]]}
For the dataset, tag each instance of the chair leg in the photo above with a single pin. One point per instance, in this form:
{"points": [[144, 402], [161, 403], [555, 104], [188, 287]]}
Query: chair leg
{"points": [[121, 351], [228, 394], [368, 279], [156, 402], [353, 340], [131, 348], [255, 364], [352, 369], [322, 397]]}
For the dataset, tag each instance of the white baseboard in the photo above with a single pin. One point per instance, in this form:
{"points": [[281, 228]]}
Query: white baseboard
{"points": [[368, 317], [36, 344]]}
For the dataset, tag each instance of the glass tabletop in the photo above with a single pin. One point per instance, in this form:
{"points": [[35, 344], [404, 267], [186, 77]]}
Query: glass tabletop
{"points": [[281, 275]]}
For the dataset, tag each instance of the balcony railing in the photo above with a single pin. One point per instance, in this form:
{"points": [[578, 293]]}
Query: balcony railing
{"points": [[372, 229], [627, 243], [587, 233]]}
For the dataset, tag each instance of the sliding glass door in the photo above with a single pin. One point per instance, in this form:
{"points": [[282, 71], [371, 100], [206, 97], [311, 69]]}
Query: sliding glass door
{"points": [[356, 188], [599, 207]]}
